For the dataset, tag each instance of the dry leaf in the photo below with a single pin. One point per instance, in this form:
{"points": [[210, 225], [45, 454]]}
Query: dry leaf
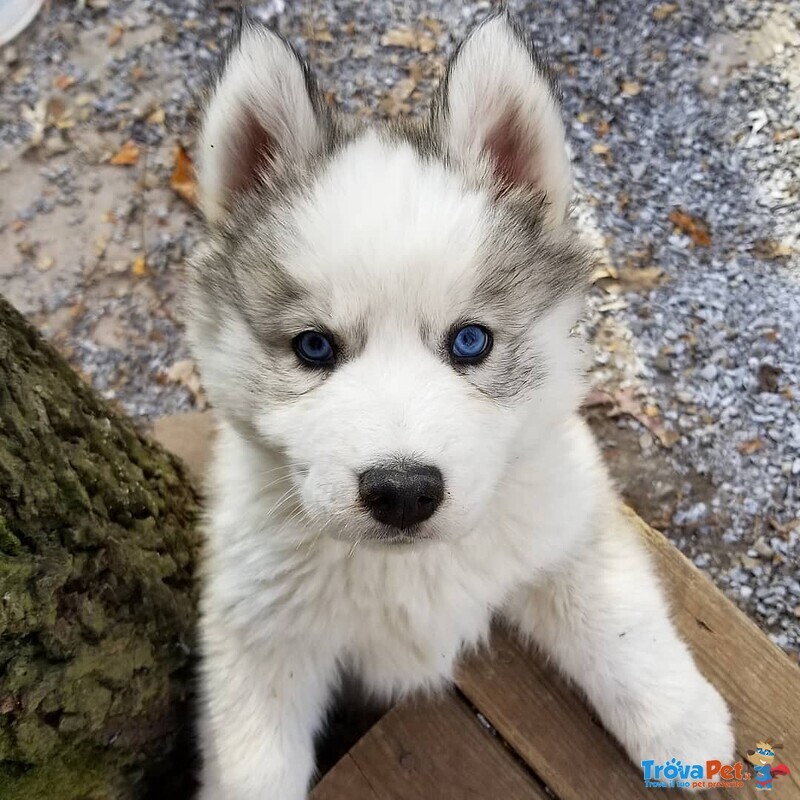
{"points": [[137, 73], [600, 149], [393, 104], [63, 82], [409, 39], [663, 11], [602, 128], [623, 403], [45, 263], [115, 35], [157, 117], [750, 446], [696, 229], [770, 250], [768, 378], [185, 373], [322, 34], [26, 248], [782, 136], [433, 25], [597, 52], [127, 156], [140, 269], [631, 88], [636, 279], [182, 180]]}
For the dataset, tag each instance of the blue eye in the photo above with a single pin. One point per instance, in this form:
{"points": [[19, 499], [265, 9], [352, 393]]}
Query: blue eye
{"points": [[470, 344], [314, 348]]}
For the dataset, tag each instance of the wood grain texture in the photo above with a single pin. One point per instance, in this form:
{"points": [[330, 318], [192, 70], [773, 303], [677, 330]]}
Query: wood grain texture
{"points": [[550, 727], [345, 782], [430, 750], [759, 681]]}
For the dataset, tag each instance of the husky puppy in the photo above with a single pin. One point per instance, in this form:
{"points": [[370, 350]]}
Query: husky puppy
{"points": [[383, 318]]}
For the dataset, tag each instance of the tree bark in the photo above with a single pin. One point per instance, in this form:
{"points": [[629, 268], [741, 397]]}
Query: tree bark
{"points": [[98, 544]]}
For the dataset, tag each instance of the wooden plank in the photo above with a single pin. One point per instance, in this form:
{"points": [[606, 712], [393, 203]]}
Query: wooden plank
{"points": [[547, 724], [345, 782], [554, 732], [430, 750], [759, 681]]}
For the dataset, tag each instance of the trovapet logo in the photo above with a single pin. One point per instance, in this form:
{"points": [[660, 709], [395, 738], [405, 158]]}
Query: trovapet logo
{"points": [[764, 766], [713, 774]]}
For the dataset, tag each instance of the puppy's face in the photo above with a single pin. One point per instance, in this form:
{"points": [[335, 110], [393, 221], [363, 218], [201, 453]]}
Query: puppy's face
{"points": [[388, 310]]}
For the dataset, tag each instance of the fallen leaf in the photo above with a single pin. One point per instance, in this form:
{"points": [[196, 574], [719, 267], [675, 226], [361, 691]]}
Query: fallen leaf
{"points": [[100, 245], [631, 88], [36, 117], [784, 528], [696, 229], [115, 35], [665, 10], [433, 25], [409, 39], [782, 136], [636, 279], [140, 269], [45, 263], [597, 52], [600, 149], [393, 104], [183, 180], [156, 117], [137, 73], [127, 156], [750, 446], [63, 82], [602, 128], [26, 248], [185, 373], [768, 378], [624, 403], [322, 35], [770, 250]]}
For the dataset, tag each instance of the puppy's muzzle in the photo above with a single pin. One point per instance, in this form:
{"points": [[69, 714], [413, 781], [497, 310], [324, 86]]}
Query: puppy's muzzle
{"points": [[401, 496]]}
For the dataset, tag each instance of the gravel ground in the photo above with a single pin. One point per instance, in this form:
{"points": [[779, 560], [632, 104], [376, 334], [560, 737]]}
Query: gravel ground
{"points": [[683, 123]]}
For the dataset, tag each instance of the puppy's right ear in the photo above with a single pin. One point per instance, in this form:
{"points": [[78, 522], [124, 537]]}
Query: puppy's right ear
{"points": [[264, 114]]}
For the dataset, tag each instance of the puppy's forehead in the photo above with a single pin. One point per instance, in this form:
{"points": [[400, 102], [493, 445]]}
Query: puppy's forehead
{"points": [[381, 223]]}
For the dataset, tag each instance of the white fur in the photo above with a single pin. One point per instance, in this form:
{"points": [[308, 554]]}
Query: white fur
{"points": [[296, 589], [262, 81], [494, 75]]}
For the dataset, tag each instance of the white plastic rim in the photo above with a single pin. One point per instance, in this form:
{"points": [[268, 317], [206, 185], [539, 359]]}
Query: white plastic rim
{"points": [[15, 16]]}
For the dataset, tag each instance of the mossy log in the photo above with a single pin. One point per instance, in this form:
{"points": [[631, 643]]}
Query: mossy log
{"points": [[98, 543]]}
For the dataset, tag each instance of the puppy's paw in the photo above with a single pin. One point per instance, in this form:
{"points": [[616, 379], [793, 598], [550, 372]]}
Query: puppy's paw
{"points": [[694, 731]]}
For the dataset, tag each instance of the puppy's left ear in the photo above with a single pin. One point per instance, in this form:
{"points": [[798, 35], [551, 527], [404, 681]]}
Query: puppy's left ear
{"points": [[499, 109]]}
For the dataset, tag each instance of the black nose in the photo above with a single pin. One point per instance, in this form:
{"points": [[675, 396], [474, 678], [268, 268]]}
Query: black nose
{"points": [[401, 496]]}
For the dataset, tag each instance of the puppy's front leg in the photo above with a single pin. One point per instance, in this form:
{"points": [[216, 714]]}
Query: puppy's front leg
{"points": [[604, 622], [260, 708]]}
